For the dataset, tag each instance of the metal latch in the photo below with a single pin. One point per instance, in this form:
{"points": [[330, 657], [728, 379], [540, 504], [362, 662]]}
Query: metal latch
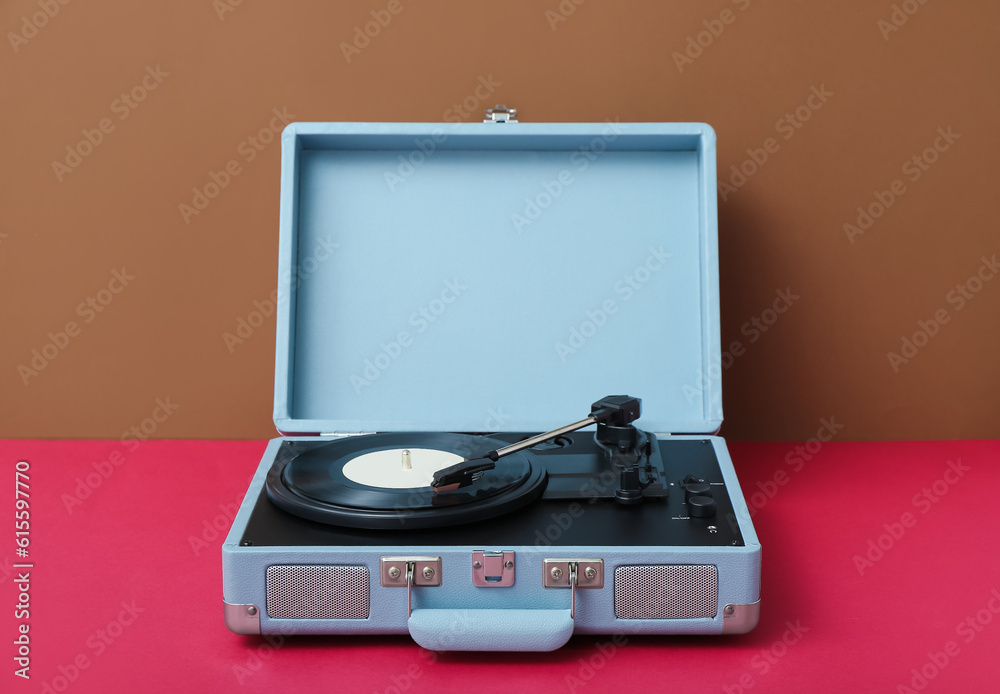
{"points": [[500, 114], [407, 572], [573, 574], [492, 569]]}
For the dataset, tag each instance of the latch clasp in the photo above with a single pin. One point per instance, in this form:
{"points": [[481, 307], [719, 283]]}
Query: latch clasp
{"points": [[500, 114], [492, 569]]}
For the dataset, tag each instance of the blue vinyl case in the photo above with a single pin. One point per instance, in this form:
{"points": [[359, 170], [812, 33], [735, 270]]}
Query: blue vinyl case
{"points": [[495, 277]]}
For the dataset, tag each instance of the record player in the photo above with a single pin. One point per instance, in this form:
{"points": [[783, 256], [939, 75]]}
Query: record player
{"points": [[497, 379]]}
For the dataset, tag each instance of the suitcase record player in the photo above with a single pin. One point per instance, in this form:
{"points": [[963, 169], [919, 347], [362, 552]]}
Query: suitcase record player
{"points": [[497, 382]]}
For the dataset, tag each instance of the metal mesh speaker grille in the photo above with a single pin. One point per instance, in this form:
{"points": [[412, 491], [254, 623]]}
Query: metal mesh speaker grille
{"points": [[317, 592], [666, 591]]}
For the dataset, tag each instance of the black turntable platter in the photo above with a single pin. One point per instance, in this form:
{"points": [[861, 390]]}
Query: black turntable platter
{"points": [[321, 483]]}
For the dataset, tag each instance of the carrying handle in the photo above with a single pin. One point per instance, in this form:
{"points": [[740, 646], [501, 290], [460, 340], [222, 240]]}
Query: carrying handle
{"points": [[457, 629], [490, 630]]}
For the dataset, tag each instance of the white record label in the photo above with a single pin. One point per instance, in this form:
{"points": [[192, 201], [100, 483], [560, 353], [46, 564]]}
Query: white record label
{"points": [[387, 469]]}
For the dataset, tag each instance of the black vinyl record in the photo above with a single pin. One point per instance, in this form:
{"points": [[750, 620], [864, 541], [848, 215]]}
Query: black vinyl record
{"points": [[312, 484]]}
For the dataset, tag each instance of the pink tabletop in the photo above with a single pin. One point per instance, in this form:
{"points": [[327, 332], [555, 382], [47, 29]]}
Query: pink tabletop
{"points": [[881, 574]]}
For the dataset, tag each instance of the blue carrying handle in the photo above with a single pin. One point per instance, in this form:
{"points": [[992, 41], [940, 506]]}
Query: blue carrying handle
{"points": [[491, 630]]}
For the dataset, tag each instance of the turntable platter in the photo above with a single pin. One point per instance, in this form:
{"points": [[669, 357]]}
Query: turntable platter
{"points": [[361, 482]]}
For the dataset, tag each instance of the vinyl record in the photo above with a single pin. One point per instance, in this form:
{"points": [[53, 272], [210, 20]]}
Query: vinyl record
{"points": [[312, 483]]}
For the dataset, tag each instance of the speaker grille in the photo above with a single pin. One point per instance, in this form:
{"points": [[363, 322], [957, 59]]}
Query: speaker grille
{"points": [[317, 592], [666, 591]]}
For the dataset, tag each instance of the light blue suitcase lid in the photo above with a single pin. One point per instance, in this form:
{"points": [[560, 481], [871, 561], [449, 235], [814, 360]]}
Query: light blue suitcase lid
{"points": [[496, 277]]}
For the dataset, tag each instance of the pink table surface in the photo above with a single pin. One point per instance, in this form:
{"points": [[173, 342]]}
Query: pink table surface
{"points": [[881, 574]]}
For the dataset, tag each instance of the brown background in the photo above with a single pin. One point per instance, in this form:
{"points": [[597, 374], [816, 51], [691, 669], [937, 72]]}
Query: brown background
{"points": [[827, 356]]}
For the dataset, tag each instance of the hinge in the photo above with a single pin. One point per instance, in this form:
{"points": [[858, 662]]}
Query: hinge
{"points": [[500, 114]]}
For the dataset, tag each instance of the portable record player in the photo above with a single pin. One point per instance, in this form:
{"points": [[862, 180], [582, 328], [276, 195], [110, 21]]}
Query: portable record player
{"points": [[498, 349]]}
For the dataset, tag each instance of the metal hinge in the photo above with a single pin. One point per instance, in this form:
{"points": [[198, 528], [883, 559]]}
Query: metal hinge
{"points": [[500, 114]]}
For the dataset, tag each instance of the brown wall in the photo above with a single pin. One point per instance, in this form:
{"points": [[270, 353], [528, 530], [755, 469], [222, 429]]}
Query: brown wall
{"points": [[160, 337]]}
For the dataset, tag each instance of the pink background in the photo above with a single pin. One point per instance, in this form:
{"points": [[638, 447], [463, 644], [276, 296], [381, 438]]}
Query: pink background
{"points": [[145, 537]]}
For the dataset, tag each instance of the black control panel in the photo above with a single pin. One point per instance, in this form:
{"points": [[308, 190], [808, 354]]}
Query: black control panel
{"points": [[687, 504]]}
